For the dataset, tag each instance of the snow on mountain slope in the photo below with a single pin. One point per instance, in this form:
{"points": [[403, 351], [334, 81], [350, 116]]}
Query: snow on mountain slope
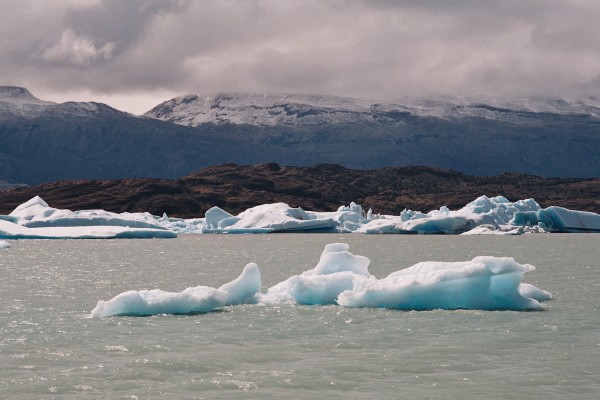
{"points": [[270, 110], [307, 110], [19, 102]]}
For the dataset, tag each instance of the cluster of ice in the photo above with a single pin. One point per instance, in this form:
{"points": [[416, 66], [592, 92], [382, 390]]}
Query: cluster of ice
{"points": [[4, 245], [36, 220], [340, 277], [484, 215], [199, 299]]}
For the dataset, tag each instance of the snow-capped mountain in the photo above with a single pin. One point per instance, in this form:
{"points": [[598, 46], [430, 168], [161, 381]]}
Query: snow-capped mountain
{"points": [[304, 110], [43, 141], [19, 102]]}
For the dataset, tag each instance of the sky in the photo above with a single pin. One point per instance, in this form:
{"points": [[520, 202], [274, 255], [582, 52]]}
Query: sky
{"points": [[135, 54]]}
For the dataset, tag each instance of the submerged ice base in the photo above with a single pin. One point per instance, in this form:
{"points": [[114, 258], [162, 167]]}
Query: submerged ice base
{"points": [[340, 277]]}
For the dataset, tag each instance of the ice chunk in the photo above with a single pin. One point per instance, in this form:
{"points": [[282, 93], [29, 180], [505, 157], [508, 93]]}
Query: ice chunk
{"points": [[571, 221], [337, 270], [528, 290], [495, 230], [485, 283], [4, 245], [277, 217], [199, 299], [243, 290], [34, 219], [11, 230], [214, 216]]}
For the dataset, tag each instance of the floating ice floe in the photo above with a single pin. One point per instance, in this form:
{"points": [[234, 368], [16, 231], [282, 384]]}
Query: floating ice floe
{"points": [[484, 283], [199, 299], [340, 277], [36, 220], [266, 218], [4, 245]]}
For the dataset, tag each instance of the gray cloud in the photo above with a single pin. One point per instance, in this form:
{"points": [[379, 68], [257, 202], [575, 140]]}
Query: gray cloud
{"points": [[377, 49]]}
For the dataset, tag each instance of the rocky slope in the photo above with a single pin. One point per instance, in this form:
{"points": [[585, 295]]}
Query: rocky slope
{"points": [[319, 188]]}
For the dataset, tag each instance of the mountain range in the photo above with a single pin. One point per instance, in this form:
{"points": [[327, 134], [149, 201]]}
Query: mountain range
{"points": [[42, 141]]}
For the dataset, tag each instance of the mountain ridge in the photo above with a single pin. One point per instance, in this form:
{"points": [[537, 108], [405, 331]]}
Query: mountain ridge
{"points": [[43, 141]]}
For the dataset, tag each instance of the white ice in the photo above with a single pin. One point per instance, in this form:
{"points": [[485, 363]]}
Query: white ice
{"points": [[340, 277], [34, 219], [4, 245], [199, 299], [337, 270], [484, 283], [483, 216], [496, 213], [277, 217]]}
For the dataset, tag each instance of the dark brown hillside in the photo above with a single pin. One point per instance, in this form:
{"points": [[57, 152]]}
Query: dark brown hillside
{"points": [[320, 188]]}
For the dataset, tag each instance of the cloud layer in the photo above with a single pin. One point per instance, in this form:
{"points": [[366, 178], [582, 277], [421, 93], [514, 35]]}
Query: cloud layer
{"points": [[377, 49]]}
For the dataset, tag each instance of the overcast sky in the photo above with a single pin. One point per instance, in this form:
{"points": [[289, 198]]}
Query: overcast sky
{"points": [[135, 54]]}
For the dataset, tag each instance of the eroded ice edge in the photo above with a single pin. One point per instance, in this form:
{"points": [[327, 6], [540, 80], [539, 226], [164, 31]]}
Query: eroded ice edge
{"points": [[484, 215], [340, 277]]}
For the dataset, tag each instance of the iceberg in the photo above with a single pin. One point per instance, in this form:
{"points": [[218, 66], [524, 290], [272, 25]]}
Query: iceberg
{"points": [[34, 219], [199, 299], [4, 245], [569, 221], [9, 230], [484, 283], [266, 218]]}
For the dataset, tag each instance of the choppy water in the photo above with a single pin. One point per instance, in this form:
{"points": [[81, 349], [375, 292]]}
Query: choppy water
{"points": [[49, 348]]}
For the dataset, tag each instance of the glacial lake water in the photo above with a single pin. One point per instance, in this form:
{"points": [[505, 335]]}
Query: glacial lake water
{"points": [[50, 348]]}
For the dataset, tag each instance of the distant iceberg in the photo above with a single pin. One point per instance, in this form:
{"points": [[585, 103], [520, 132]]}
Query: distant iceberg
{"points": [[483, 216], [34, 219], [340, 277]]}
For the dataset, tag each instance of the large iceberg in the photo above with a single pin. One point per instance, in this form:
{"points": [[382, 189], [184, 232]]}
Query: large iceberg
{"points": [[484, 283], [199, 299], [34, 219], [277, 217]]}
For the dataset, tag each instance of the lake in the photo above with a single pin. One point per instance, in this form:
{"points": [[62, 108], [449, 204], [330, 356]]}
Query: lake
{"points": [[50, 348]]}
